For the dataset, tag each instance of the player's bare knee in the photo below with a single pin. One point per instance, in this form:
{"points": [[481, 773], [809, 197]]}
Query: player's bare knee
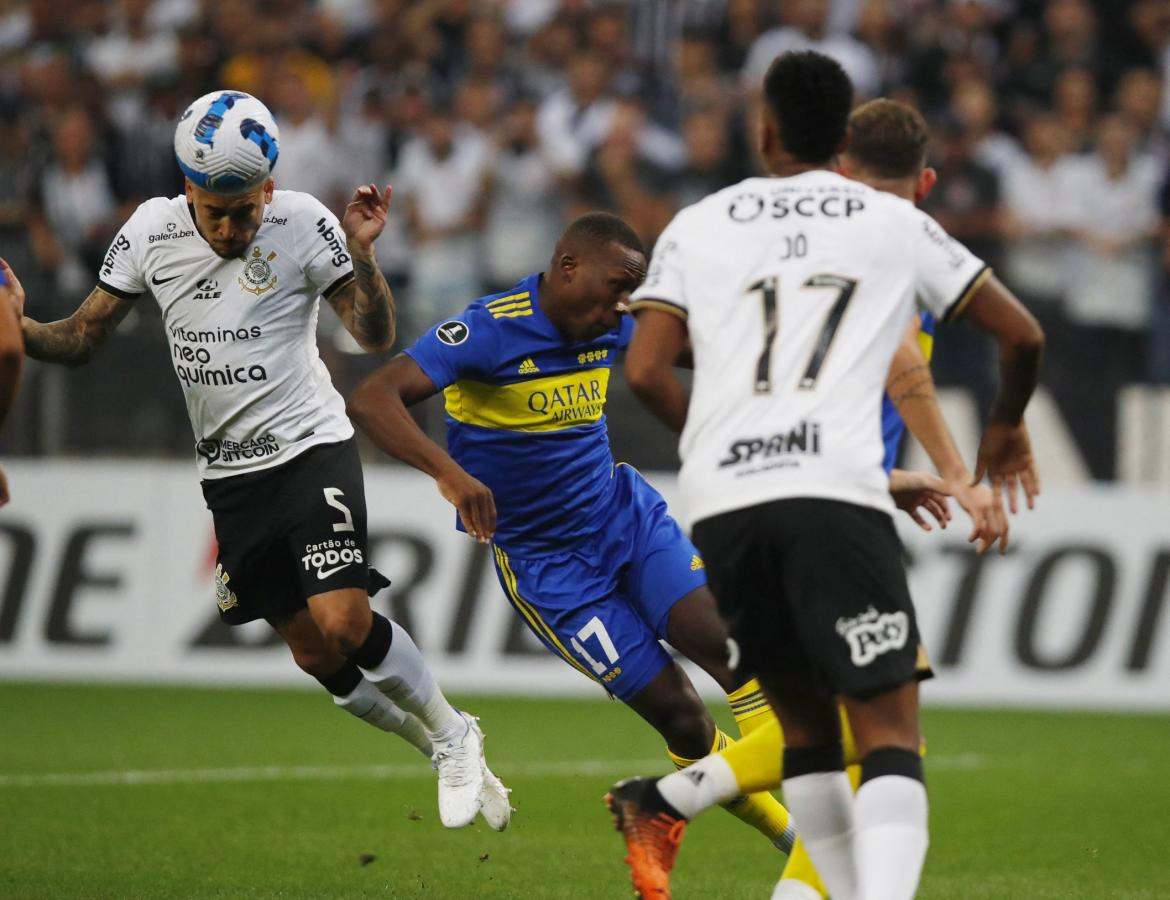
{"points": [[320, 661], [345, 627]]}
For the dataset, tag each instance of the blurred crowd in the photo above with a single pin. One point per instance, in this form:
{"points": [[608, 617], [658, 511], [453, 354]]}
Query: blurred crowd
{"points": [[497, 120]]}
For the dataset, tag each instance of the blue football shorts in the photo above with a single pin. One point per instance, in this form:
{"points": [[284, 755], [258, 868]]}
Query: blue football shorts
{"points": [[603, 604]]}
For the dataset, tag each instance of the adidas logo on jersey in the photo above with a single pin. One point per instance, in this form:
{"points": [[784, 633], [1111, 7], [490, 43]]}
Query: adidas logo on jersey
{"points": [[697, 563], [528, 367]]}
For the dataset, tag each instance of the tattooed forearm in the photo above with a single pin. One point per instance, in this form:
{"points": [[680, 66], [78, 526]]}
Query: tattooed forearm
{"points": [[904, 374], [73, 341], [372, 315]]}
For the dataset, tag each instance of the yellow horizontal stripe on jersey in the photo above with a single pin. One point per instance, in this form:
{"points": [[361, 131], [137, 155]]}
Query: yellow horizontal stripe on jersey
{"points": [[551, 403], [527, 311], [508, 307], [500, 301]]}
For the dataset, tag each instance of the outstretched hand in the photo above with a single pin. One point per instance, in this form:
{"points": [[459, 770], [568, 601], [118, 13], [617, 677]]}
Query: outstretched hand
{"points": [[366, 215], [914, 492], [989, 522], [1005, 454]]}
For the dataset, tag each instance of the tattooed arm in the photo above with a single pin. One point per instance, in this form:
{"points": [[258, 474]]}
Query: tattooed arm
{"points": [[73, 341], [911, 389], [366, 305]]}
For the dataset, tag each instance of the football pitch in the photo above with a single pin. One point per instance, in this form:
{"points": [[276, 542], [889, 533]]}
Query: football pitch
{"points": [[125, 791]]}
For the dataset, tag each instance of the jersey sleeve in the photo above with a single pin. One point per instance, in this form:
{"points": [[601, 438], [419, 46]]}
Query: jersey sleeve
{"points": [[946, 274], [121, 271], [327, 264], [664, 288], [466, 345]]}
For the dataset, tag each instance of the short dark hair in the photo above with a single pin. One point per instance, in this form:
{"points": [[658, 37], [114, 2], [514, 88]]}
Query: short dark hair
{"points": [[810, 96], [888, 139], [601, 228]]}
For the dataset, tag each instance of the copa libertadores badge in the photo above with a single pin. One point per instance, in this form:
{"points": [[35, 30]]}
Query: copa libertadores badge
{"points": [[258, 276]]}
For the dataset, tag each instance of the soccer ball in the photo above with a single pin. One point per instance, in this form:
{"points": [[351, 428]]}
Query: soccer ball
{"points": [[227, 142]]}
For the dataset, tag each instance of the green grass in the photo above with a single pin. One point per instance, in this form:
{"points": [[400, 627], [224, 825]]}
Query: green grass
{"points": [[1023, 805]]}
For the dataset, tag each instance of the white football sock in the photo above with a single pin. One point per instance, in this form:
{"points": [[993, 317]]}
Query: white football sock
{"points": [[890, 814], [370, 705], [403, 676], [791, 889], [707, 783], [822, 804]]}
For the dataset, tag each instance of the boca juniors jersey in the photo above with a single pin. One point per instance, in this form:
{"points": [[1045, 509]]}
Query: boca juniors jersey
{"points": [[525, 413]]}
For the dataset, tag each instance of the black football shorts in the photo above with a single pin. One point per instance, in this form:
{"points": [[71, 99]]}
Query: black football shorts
{"points": [[289, 532], [816, 586]]}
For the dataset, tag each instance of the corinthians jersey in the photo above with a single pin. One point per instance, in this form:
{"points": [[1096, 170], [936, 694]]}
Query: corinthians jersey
{"points": [[796, 292], [242, 331]]}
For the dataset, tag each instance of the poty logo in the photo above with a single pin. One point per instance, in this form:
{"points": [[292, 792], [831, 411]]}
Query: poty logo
{"points": [[871, 634]]}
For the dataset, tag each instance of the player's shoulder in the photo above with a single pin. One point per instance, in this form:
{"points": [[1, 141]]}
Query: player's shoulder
{"points": [[496, 317], [170, 214], [296, 208]]}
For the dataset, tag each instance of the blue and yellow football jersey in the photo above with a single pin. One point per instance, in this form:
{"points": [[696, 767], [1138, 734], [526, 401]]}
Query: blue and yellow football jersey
{"points": [[892, 425], [525, 414]]}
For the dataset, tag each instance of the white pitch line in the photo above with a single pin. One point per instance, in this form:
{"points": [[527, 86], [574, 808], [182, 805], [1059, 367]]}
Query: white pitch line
{"points": [[536, 768]]}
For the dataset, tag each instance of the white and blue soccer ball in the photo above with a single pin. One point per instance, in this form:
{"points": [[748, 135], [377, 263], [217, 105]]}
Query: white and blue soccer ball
{"points": [[227, 142]]}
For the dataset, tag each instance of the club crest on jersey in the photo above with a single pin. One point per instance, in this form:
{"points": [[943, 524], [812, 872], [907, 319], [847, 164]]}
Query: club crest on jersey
{"points": [[258, 276], [452, 333]]}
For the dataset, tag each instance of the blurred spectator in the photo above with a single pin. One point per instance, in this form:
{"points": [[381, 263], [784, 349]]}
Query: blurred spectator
{"points": [[694, 80], [1036, 218], [144, 165], [573, 121], [78, 211], [305, 141], [131, 54], [549, 51], [608, 36], [1114, 217], [524, 208], [1074, 98], [742, 22], [623, 176], [973, 104], [710, 164], [805, 28], [440, 187], [1139, 101]]}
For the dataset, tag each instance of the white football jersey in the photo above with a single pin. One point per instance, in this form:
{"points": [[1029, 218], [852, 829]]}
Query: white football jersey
{"points": [[796, 293], [242, 331]]}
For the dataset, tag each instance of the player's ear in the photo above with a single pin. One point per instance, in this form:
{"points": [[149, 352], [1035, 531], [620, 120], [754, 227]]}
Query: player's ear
{"points": [[269, 187], [926, 182], [567, 264], [189, 190]]}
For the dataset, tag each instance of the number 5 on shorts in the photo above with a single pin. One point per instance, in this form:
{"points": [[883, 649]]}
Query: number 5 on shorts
{"points": [[594, 628], [331, 495]]}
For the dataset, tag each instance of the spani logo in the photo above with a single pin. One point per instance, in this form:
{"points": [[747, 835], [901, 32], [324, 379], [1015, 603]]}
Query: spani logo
{"points": [[452, 333]]}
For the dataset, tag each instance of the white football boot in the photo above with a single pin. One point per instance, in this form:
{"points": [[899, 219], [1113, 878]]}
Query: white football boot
{"points": [[494, 805], [459, 762]]}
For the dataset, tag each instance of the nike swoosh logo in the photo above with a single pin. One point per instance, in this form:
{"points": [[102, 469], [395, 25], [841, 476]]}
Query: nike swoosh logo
{"points": [[322, 575], [154, 279]]}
